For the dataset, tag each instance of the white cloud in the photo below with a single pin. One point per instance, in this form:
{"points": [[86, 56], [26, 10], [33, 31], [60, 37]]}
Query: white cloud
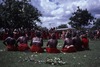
{"points": [[97, 15], [47, 6], [57, 12]]}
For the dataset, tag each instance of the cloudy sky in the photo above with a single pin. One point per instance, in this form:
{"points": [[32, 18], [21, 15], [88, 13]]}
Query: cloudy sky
{"points": [[56, 12]]}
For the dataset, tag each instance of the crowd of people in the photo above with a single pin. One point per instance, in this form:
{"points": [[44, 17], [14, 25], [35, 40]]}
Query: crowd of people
{"points": [[72, 41]]}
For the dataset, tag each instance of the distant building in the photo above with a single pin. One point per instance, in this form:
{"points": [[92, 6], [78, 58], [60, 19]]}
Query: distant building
{"points": [[65, 29]]}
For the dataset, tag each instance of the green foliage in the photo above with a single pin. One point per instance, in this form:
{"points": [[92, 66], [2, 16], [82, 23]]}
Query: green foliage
{"points": [[80, 18], [63, 26], [97, 24], [1, 24], [16, 14]]}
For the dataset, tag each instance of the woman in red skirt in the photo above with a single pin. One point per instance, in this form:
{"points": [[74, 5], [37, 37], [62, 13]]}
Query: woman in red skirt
{"points": [[22, 41], [9, 42], [52, 45], [77, 42], [68, 44], [37, 43], [85, 41]]}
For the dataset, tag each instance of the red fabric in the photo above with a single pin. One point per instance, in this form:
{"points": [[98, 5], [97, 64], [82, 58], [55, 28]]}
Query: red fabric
{"points": [[23, 47], [44, 35], [35, 48], [52, 50], [57, 35], [49, 35], [69, 49], [85, 43], [11, 48], [32, 35]]}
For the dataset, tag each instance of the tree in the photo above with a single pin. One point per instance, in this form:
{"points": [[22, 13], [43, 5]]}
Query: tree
{"points": [[19, 13], [97, 24], [62, 26], [80, 19], [1, 10]]}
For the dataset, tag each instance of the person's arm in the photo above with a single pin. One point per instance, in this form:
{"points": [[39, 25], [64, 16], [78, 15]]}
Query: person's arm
{"points": [[65, 43], [31, 43], [5, 42], [56, 43], [73, 41], [17, 41], [47, 43], [41, 42]]}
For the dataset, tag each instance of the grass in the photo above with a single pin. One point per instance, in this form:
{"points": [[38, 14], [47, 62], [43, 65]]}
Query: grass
{"points": [[88, 58]]}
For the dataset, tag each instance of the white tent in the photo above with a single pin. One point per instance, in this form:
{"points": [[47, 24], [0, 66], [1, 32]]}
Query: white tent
{"points": [[65, 29]]}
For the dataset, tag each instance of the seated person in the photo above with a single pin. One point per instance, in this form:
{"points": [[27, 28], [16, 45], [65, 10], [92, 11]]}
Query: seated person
{"points": [[85, 42], [68, 44], [77, 42], [52, 45], [10, 43], [23, 42], [37, 43]]}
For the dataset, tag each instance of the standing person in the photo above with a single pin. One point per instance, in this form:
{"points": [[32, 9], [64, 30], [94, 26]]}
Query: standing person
{"points": [[51, 46], [23, 42], [63, 35], [68, 44], [37, 43], [9, 42], [85, 41], [57, 34]]}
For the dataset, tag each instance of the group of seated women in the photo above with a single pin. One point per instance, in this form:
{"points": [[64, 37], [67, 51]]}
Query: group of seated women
{"points": [[70, 43]]}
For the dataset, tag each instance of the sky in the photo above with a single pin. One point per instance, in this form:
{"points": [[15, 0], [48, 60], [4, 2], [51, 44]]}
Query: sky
{"points": [[57, 12]]}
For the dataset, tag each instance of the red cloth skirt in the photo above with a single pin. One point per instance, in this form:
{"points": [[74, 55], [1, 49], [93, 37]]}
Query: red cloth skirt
{"points": [[23, 47], [35, 48], [85, 43], [11, 48], [69, 49], [52, 50]]}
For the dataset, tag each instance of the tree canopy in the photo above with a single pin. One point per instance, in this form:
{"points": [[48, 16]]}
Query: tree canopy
{"points": [[18, 13], [80, 18], [63, 26], [96, 24]]}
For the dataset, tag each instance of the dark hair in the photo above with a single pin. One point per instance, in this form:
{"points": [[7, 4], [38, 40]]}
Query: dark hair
{"points": [[22, 33], [84, 36], [53, 36], [74, 34], [68, 35], [38, 34], [10, 34]]}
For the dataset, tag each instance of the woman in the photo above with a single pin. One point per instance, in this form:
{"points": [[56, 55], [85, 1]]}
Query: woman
{"points": [[77, 42], [23, 42], [68, 44], [85, 41], [52, 45], [37, 43], [63, 35], [9, 42]]}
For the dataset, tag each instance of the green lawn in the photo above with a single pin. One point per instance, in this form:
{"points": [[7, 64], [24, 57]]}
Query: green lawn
{"points": [[88, 58]]}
